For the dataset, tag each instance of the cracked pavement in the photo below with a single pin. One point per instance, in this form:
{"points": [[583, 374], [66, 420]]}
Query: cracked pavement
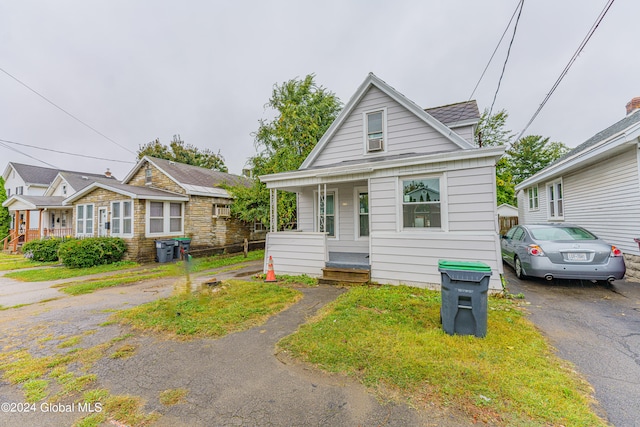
{"points": [[237, 380]]}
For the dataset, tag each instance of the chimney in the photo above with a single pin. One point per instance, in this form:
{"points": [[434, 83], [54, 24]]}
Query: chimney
{"points": [[633, 105], [108, 172]]}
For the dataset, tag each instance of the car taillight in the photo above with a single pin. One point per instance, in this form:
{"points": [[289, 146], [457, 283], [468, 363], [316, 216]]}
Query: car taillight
{"points": [[535, 250], [615, 251]]}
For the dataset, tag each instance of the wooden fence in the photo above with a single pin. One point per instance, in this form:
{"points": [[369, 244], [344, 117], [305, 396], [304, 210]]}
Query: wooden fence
{"points": [[506, 222]]}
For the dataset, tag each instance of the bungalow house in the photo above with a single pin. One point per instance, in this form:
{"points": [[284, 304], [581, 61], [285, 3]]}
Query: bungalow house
{"points": [[390, 189], [35, 196], [596, 185], [161, 199]]}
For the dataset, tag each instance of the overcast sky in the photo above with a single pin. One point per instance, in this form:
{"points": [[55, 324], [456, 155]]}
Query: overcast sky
{"points": [[140, 70]]}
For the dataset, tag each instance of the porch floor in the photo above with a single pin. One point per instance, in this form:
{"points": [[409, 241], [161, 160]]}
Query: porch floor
{"points": [[353, 260]]}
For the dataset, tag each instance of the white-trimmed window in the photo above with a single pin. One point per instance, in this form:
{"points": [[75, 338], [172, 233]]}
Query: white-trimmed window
{"points": [[532, 193], [421, 205], [362, 214], [84, 220], [122, 218], [555, 197], [165, 218], [326, 218], [375, 131]]}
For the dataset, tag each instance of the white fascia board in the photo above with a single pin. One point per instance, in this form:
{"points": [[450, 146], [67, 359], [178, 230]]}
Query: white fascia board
{"points": [[196, 190], [629, 135], [17, 199], [468, 122], [363, 168]]}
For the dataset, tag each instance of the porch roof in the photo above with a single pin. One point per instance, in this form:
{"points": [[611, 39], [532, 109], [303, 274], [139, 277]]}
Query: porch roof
{"points": [[359, 170], [21, 202]]}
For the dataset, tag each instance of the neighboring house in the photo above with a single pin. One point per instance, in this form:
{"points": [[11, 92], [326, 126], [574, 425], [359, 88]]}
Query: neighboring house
{"points": [[392, 189], [596, 185], [35, 197], [160, 199]]}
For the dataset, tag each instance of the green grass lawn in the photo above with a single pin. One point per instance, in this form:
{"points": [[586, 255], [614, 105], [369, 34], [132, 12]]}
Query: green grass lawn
{"points": [[231, 307], [15, 262], [391, 336]]}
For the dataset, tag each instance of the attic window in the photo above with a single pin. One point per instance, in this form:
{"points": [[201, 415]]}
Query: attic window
{"points": [[374, 122], [147, 175]]}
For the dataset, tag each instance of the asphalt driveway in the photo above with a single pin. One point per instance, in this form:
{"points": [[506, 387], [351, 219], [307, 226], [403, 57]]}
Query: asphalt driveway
{"points": [[597, 328], [237, 380]]}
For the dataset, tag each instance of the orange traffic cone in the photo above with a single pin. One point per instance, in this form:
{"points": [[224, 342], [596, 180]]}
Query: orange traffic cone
{"points": [[271, 275]]}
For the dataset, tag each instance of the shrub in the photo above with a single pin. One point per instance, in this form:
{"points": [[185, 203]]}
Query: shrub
{"points": [[43, 250], [92, 251]]}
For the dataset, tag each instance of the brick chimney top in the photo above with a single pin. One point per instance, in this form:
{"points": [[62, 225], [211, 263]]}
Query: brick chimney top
{"points": [[108, 172], [633, 105]]}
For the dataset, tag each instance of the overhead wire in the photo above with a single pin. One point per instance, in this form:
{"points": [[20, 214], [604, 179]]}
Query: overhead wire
{"points": [[25, 154], [569, 64], [65, 111], [63, 152], [504, 66]]}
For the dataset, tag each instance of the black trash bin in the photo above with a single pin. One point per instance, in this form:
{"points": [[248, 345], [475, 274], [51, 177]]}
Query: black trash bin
{"points": [[182, 247], [464, 297], [164, 250]]}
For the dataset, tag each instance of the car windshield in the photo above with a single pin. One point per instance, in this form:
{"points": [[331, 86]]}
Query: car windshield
{"points": [[561, 233]]}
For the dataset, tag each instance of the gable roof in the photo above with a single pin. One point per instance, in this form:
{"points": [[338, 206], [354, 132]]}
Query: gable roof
{"points": [[602, 143], [77, 180], [34, 202], [373, 80], [132, 191], [32, 175], [460, 113], [194, 180]]}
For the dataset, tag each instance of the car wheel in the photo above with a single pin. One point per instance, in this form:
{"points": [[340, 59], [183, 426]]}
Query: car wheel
{"points": [[517, 266]]}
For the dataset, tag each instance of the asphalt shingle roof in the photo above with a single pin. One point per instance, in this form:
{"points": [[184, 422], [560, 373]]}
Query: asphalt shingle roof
{"points": [[198, 176], [457, 112]]}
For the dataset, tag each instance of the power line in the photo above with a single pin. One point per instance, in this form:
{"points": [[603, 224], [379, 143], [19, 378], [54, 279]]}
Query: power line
{"points": [[25, 154], [569, 64], [63, 152], [504, 66], [64, 111]]}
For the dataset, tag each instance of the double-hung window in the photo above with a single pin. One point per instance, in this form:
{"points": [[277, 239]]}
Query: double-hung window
{"points": [[556, 208], [121, 218], [374, 131], [84, 220], [421, 203], [533, 198], [363, 213], [165, 218]]}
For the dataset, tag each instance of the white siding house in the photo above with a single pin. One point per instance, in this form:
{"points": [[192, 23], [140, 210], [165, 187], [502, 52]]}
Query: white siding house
{"points": [[392, 186], [596, 186]]}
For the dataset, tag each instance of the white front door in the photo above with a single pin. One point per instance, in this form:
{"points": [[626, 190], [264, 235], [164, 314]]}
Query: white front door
{"points": [[102, 221]]}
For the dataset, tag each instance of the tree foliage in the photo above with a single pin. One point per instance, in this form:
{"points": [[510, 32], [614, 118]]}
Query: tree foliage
{"points": [[180, 152], [5, 217], [522, 158], [531, 154], [304, 111]]}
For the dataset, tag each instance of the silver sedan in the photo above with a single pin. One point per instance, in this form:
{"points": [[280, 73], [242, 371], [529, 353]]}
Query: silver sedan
{"points": [[561, 251]]}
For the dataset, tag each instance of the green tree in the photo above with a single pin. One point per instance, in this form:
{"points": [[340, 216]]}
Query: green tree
{"points": [[531, 154], [5, 217], [303, 112], [180, 152], [490, 132]]}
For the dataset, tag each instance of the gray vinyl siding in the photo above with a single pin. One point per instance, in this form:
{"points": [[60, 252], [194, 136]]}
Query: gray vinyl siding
{"points": [[400, 258], [405, 133], [466, 132], [605, 199], [471, 200], [383, 204], [526, 216], [305, 210], [296, 253]]}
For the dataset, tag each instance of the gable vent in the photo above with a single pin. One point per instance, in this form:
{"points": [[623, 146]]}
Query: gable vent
{"points": [[375, 144]]}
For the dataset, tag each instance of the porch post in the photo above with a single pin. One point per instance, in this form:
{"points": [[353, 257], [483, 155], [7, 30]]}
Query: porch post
{"points": [[273, 210], [40, 224], [324, 208]]}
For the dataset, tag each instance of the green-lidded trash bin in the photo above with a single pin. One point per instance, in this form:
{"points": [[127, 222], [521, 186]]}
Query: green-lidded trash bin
{"points": [[164, 250], [464, 297], [182, 247]]}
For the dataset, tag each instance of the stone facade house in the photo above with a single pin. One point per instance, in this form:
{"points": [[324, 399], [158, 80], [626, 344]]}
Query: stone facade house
{"points": [[161, 199]]}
